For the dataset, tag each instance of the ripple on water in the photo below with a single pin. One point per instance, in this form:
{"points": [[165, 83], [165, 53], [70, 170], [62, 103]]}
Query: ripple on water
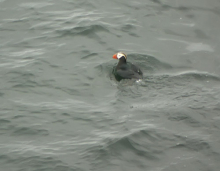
{"points": [[36, 162], [35, 5], [20, 58], [30, 131]]}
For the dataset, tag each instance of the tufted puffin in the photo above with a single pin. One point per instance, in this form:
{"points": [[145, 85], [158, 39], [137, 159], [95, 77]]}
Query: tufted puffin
{"points": [[124, 69]]}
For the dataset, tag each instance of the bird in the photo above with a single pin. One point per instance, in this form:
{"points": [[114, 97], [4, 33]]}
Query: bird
{"points": [[124, 69]]}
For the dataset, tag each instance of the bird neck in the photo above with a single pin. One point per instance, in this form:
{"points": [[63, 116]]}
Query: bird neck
{"points": [[122, 60]]}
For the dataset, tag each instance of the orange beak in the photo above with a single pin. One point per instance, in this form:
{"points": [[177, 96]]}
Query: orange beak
{"points": [[115, 56]]}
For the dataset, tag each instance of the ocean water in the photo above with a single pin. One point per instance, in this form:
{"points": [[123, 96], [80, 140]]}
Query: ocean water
{"points": [[62, 109]]}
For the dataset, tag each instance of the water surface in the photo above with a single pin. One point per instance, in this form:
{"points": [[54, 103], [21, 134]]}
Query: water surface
{"points": [[62, 109]]}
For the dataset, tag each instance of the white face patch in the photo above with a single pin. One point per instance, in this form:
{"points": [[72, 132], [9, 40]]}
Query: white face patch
{"points": [[119, 55]]}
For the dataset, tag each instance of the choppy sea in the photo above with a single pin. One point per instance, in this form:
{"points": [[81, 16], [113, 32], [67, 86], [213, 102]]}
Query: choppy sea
{"points": [[61, 108]]}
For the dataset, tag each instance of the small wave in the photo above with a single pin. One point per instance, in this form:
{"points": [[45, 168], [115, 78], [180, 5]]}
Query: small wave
{"points": [[190, 144], [142, 143], [22, 147], [181, 78], [89, 55], [78, 106], [36, 162], [35, 5], [197, 75], [81, 30], [130, 28], [20, 58], [4, 121], [30, 131], [76, 22], [148, 62]]}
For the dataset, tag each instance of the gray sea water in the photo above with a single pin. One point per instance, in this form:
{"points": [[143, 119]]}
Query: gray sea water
{"points": [[61, 108]]}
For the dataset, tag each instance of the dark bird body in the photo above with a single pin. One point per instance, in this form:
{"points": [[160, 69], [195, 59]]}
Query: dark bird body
{"points": [[126, 70]]}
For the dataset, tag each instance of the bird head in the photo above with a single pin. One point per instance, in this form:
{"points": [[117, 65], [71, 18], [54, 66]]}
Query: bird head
{"points": [[119, 55]]}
